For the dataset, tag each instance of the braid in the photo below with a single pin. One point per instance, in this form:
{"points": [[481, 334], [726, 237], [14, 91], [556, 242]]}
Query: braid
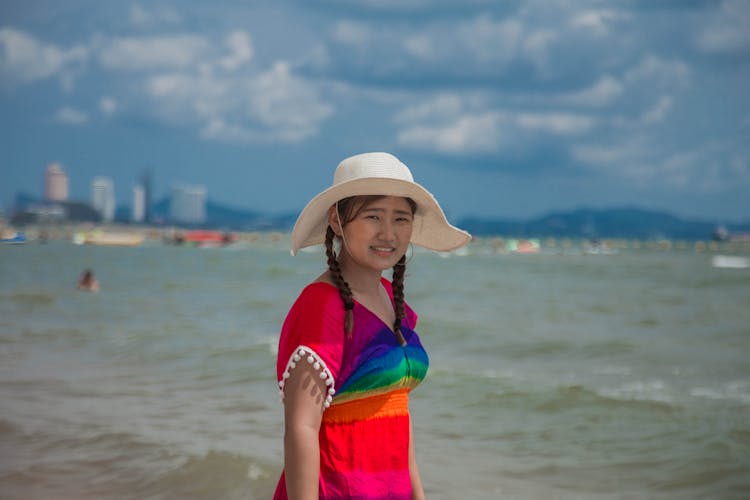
{"points": [[398, 296], [341, 284]]}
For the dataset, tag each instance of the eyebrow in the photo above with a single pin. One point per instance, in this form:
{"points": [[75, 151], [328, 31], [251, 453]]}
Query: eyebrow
{"points": [[375, 209]]}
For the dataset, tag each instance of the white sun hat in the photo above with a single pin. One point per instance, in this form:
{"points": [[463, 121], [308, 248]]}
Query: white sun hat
{"points": [[378, 174]]}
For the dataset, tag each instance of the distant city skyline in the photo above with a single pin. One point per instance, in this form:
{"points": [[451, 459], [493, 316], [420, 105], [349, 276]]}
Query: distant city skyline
{"points": [[55, 183], [138, 210], [501, 109], [103, 197], [187, 202]]}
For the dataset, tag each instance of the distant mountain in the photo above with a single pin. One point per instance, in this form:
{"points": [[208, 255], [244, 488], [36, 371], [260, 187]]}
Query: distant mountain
{"points": [[623, 222], [224, 217], [628, 222]]}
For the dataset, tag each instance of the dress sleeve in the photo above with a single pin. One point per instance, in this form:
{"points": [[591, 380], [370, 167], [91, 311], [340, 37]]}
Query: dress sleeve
{"points": [[313, 332]]}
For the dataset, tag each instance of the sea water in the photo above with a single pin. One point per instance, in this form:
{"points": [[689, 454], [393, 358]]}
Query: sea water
{"points": [[554, 375]]}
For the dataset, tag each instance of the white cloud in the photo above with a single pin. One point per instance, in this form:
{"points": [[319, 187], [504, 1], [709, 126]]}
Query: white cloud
{"points": [[466, 134], [317, 58], [657, 71], [634, 159], [646, 162], [658, 111], [107, 106], [240, 50], [154, 53], [70, 116], [555, 123], [442, 107], [450, 123], [598, 156], [274, 106], [454, 123], [143, 18], [188, 98], [286, 104], [536, 47], [728, 30], [603, 92], [24, 58], [489, 41], [597, 21], [420, 46], [352, 33]]}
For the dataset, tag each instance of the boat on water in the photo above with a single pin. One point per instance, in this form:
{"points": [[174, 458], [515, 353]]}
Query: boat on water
{"points": [[202, 238], [523, 246], [721, 233], [112, 239], [597, 247], [730, 262], [13, 238]]}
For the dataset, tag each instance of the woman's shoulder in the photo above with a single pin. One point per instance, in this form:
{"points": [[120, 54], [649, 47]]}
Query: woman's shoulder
{"points": [[317, 297], [318, 290]]}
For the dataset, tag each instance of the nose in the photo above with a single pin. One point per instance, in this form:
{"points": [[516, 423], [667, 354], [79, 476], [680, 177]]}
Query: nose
{"points": [[387, 230]]}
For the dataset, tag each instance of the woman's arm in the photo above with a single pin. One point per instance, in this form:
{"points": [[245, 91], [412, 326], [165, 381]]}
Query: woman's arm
{"points": [[417, 492], [304, 396]]}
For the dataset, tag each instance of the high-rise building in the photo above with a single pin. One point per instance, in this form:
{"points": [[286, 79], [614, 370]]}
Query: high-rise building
{"points": [[147, 194], [55, 183], [187, 204], [103, 197], [139, 203]]}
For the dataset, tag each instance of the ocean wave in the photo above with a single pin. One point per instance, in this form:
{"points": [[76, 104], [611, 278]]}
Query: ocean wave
{"points": [[560, 348], [107, 465], [618, 370], [214, 475], [515, 393], [736, 391], [577, 396], [71, 335], [540, 348], [264, 347], [32, 298], [654, 392]]}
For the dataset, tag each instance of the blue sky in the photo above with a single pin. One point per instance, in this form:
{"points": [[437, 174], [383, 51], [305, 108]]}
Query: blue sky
{"points": [[504, 109]]}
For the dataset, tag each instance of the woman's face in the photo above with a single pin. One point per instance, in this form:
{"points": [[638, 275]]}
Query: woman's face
{"points": [[378, 234]]}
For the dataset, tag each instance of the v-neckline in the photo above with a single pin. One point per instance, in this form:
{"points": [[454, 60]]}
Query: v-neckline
{"points": [[372, 313]]}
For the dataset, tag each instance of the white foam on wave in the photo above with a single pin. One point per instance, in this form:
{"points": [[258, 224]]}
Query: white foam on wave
{"points": [[506, 374], [271, 342], [612, 370], [738, 391], [654, 390]]}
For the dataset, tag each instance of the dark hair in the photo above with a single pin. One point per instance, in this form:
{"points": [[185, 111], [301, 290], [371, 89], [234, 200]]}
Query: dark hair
{"points": [[347, 210]]}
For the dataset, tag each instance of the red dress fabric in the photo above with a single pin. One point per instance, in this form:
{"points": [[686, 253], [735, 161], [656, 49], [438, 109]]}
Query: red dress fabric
{"points": [[364, 433]]}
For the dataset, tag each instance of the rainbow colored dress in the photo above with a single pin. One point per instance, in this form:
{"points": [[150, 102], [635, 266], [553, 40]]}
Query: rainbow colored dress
{"points": [[364, 433]]}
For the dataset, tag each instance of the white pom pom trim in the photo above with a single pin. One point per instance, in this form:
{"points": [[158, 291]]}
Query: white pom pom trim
{"points": [[300, 353]]}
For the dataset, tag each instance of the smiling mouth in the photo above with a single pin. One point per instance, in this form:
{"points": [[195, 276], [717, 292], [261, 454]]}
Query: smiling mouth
{"points": [[384, 249]]}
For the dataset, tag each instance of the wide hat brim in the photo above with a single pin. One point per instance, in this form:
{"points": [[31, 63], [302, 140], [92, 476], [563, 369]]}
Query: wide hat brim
{"points": [[430, 228]]}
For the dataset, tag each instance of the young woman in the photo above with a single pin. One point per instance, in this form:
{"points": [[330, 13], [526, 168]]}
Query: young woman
{"points": [[348, 352]]}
